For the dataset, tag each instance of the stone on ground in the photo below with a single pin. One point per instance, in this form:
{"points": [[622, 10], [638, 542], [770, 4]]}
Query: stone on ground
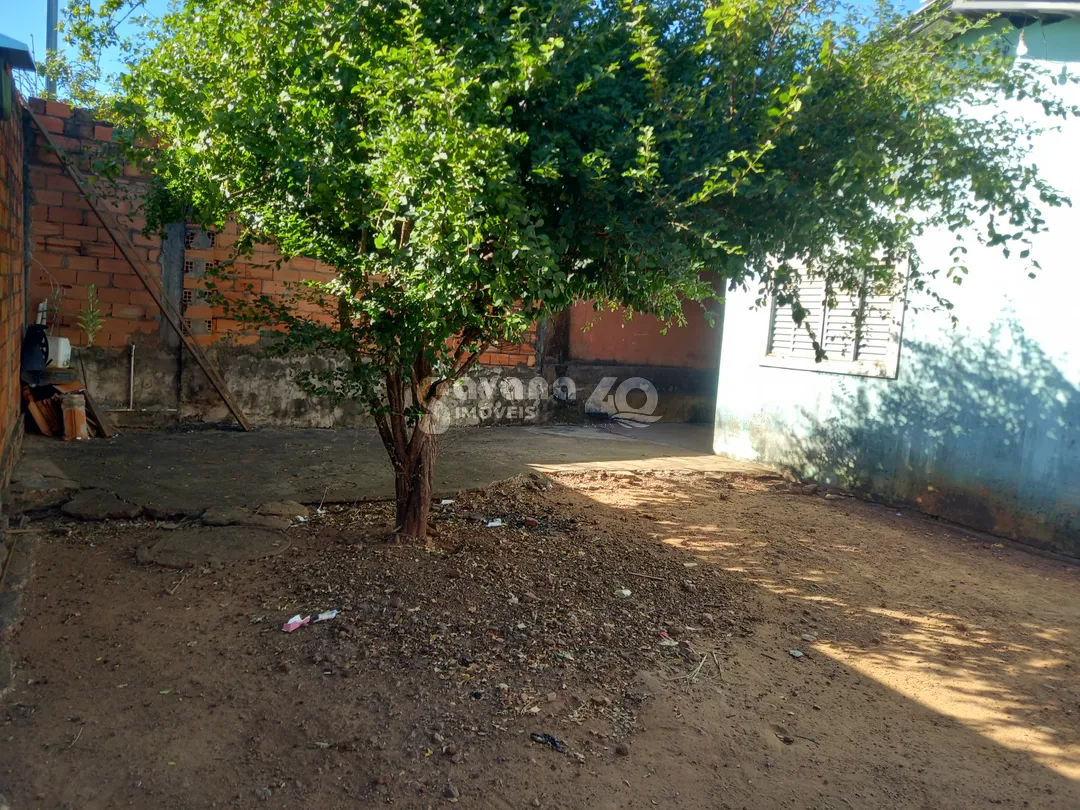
{"points": [[201, 546], [37, 484], [99, 504], [238, 516], [285, 509]]}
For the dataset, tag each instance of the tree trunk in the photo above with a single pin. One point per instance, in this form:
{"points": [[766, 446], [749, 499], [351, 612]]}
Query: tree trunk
{"points": [[412, 489], [413, 453]]}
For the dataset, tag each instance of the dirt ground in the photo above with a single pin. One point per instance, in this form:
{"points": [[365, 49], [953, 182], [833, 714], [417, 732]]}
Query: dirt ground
{"points": [[645, 622]]}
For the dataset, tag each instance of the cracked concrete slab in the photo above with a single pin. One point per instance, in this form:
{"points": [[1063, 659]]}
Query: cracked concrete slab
{"points": [[238, 516], [185, 471], [37, 483], [99, 504], [209, 546]]}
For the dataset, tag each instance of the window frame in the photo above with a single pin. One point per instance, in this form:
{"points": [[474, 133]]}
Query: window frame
{"points": [[882, 368]]}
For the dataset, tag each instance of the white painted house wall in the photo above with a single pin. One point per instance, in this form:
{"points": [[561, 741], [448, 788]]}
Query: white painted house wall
{"points": [[982, 423]]}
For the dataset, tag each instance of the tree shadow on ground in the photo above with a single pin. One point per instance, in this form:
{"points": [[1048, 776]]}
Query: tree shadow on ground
{"points": [[979, 633]]}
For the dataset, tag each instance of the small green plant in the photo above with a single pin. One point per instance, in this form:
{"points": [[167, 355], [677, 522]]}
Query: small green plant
{"points": [[52, 306], [90, 320]]}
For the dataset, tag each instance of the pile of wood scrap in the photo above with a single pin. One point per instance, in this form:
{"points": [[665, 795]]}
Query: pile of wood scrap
{"points": [[60, 405]]}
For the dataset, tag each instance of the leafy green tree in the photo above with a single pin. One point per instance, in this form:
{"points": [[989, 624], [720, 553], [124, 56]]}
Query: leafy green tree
{"points": [[470, 166]]}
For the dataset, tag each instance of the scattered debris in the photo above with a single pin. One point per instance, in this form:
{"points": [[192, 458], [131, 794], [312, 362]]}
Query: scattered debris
{"points": [[796, 653], [295, 623], [447, 501], [623, 593], [494, 524], [325, 616], [547, 739], [647, 576]]}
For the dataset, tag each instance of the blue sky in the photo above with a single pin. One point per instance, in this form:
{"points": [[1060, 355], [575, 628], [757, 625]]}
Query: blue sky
{"points": [[25, 20]]}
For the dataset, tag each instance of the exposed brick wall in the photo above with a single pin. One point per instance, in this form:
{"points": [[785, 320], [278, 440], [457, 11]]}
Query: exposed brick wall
{"points": [[12, 289], [608, 337], [72, 249], [264, 271]]}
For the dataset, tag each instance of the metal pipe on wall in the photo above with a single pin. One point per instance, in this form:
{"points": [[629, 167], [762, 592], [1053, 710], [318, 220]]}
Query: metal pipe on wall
{"points": [[52, 19], [131, 380]]}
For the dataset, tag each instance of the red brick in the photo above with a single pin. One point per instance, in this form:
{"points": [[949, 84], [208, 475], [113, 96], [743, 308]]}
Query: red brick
{"points": [[45, 197], [144, 326], [71, 216], [70, 304], [74, 334], [117, 339], [103, 133], [199, 311], [71, 146], [111, 295], [39, 212], [116, 206], [51, 123], [61, 182], [59, 275], [143, 298], [105, 250], [128, 280], [117, 325], [61, 245], [72, 200], [127, 311], [142, 240], [46, 229], [248, 286], [91, 277], [81, 232], [57, 109], [76, 292], [115, 266], [80, 262]]}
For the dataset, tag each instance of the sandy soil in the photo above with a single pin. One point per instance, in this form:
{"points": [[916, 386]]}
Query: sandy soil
{"points": [[938, 669]]}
